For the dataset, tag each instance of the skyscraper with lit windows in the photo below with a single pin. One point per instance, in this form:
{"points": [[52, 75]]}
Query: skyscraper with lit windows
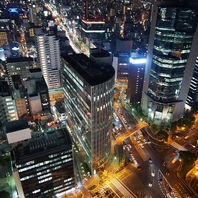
{"points": [[88, 96], [43, 165], [172, 52], [49, 58]]}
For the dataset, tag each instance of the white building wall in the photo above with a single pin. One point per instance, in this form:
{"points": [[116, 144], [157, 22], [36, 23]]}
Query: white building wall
{"points": [[35, 104], [49, 59], [115, 65]]}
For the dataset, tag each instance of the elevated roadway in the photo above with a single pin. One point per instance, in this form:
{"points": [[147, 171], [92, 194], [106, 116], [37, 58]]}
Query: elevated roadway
{"points": [[122, 137]]}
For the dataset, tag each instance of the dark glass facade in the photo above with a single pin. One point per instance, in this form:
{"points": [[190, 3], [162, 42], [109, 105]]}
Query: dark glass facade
{"points": [[172, 52], [173, 38], [193, 90]]}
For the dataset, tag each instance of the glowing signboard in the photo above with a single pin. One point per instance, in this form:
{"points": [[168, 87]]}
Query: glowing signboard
{"points": [[136, 61], [12, 10]]}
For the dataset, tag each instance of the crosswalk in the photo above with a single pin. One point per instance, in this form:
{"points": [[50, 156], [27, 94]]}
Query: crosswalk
{"points": [[123, 189], [175, 193]]}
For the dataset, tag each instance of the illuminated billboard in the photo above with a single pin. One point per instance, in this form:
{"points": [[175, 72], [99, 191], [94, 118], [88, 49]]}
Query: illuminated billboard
{"points": [[13, 10], [137, 61]]}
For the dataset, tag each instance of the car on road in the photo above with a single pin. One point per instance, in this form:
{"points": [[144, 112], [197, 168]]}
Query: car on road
{"points": [[153, 173], [150, 184], [186, 137], [167, 173], [142, 146]]}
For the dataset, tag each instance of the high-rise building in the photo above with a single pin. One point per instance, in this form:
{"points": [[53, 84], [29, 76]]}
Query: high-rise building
{"points": [[43, 165], [88, 90], [93, 29], [19, 66], [172, 52], [121, 64], [7, 104], [192, 97], [136, 79], [49, 58]]}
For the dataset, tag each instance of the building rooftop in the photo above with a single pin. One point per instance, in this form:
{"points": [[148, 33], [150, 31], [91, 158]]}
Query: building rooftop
{"points": [[41, 143], [19, 59], [95, 52], [89, 70], [16, 81], [16, 125], [60, 107], [41, 85], [35, 70], [123, 39], [4, 89]]}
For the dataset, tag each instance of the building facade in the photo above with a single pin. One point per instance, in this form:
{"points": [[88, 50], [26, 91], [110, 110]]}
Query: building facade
{"points": [[121, 64], [38, 95], [93, 29], [88, 89], [172, 53], [49, 58], [192, 97], [44, 165], [19, 66], [8, 110], [136, 79]]}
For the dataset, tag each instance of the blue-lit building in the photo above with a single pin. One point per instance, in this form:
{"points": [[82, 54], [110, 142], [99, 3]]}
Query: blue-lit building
{"points": [[172, 52], [15, 51]]}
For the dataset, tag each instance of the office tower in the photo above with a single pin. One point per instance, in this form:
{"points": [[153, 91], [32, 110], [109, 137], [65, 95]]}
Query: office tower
{"points": [[136, 79], [172, 52], [43, 165], [7, 104], [192, 97], [88, 90], [121, 64], [19, 66], [37, 91], [49, 58], [93, 29]]}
